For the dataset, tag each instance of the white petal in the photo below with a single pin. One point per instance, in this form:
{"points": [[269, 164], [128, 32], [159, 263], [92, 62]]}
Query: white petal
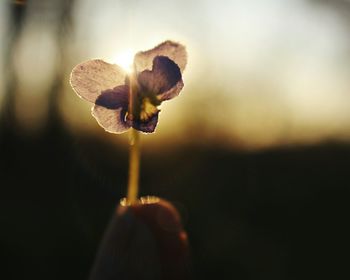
{"points": [[175, 51], [91, 77], [111, 120]]}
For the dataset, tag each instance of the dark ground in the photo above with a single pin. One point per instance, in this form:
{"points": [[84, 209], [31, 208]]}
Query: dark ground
{"points": [[278, 214]]}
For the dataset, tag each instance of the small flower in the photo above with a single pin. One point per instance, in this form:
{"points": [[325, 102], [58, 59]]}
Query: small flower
{"points": [[123, 101]]}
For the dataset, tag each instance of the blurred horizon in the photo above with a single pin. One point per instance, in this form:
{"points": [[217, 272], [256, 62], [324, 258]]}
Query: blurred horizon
{"points": [[260, 73]]}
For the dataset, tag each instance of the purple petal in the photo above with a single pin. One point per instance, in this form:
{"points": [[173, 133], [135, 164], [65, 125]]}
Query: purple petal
{"points": [[90, 78], [111, 120], [164, 76], [114, 98], [175, 51], [171, 93], [146, 126]]}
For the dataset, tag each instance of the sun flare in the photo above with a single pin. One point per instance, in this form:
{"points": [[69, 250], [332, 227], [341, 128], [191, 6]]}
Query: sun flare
{"points": [[125, 59]]}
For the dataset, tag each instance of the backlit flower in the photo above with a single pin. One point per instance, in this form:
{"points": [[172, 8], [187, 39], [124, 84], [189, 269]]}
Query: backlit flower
{"points": [[122, 100]]}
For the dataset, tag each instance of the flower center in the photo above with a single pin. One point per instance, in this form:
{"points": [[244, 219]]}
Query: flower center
{"points": [[147, 109]]}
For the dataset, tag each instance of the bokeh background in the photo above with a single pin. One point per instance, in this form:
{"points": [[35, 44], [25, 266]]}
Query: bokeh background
{"points": [[255, 152]]}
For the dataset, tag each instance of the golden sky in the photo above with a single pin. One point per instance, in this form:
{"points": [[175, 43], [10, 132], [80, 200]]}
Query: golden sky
{"points": [[260, 72]]}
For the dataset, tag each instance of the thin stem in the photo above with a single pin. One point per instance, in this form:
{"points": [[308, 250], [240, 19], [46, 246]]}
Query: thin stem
{"points": [[134, 155], [134, 167]]}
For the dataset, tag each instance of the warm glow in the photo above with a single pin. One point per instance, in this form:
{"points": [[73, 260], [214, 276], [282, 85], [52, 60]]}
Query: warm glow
{"points": [[278, 73], [125, 60]]}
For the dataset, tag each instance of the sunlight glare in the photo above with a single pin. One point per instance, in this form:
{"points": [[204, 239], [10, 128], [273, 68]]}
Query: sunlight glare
{"points": [[125, 60]]}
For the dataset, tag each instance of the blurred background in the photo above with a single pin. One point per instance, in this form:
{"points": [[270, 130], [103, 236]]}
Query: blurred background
{"points": [[254, 153]]}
